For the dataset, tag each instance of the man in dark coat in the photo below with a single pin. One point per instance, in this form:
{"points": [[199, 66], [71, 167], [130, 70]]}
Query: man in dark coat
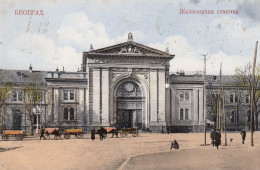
{"points": [[243, 133], [42, 133], [174, 145], [212, 136], [217, 139], [93, 134], [116, 132]]}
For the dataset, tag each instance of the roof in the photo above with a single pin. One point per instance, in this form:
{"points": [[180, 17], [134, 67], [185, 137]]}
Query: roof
{"points": [[22, 76], [129, 48], [227, 80]]}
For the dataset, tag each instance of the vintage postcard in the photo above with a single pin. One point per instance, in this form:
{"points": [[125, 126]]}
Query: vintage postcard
{"points": [[129, 84]]}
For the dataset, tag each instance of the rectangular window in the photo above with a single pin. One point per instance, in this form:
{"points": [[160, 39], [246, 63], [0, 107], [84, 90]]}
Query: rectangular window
{"points": [[187, 97], [69, 95], [17, 96], [66, 95], [247, 98], [181, 96], [231, 98]]}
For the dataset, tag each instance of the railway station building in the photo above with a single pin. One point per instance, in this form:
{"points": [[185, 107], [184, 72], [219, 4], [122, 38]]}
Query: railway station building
{"points": [[126, 85]]}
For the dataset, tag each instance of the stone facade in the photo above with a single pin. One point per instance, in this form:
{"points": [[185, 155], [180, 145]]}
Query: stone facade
{"points": [[125, 85]]}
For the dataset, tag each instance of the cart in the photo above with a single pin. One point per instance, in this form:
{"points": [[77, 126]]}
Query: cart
{"points": [[125, 131], [77, 132], [18, 134]]}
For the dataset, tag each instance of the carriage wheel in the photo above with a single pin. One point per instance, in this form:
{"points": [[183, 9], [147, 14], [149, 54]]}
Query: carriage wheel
{"points": [[80, 136], [19, 137], [5, 137], [66, 136], [134, 134]]}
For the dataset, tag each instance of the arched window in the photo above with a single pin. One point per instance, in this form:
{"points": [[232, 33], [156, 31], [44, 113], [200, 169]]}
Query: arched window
{"points": [[236, 98], [71, 114], [186, 114], [231, 98], [181, 114], [66, 114]]}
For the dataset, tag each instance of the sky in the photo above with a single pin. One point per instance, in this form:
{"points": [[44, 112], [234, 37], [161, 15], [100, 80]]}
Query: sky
{"points": [[68, 27]]}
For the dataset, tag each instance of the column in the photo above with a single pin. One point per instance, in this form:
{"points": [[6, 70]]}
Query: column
{"points": [[105, 97], [96, 96], [162, 96], [153, 96]]}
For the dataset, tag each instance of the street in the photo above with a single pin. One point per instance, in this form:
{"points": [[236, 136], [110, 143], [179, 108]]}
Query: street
{"points": [[149, 151]]}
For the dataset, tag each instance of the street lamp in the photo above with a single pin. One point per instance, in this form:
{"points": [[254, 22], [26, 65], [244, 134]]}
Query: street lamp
{"points": [[36, 112]]}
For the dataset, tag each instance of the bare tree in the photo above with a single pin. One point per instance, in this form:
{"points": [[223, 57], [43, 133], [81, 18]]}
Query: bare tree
{"points": [[212, 98], [5, 92], [243, 80]]}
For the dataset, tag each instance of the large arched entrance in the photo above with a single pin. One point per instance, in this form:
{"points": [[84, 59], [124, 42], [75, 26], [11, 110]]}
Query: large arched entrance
{"points": [[130, 101]]}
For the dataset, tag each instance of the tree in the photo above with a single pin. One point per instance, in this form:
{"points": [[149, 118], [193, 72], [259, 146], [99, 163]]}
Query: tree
{"points": [[32, 100], [212, 99], [239, 100], [244, 80], [5, 92]]}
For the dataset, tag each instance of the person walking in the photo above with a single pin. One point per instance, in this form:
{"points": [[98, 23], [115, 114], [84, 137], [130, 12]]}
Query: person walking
{"points": [[217, 139], [93, 134], [212, 136], [243, 133], [42, 133]]}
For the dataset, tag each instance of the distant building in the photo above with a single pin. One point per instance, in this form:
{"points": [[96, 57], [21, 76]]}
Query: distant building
{"points": [[125, 85]]}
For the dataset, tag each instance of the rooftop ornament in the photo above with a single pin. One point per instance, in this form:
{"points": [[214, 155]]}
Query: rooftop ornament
{"points": [[130, 37]]}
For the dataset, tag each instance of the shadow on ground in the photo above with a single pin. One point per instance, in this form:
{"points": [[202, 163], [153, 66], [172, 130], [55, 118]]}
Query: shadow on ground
{"points": [[9, 149]]}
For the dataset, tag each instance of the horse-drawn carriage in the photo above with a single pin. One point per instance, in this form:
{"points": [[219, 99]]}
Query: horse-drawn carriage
{"points": [[125, 131], [18, 134], [66, 133], [76, 132], [51, 131]]}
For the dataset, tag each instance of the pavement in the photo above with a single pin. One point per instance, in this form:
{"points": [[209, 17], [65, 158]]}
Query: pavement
{"points": [[149, 151]]}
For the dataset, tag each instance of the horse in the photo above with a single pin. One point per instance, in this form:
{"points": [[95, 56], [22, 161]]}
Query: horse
{"points": [[102, 133]]}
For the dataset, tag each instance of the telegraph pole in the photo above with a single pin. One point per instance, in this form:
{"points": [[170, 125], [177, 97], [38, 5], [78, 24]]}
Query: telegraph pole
{"points": [[204, 100], [223, 105], [220, 97], [253, 96]]}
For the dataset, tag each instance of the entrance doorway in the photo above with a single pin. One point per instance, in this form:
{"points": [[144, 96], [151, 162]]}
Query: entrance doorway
{"points": [[129, 119], [129, 105], [17, 120]]}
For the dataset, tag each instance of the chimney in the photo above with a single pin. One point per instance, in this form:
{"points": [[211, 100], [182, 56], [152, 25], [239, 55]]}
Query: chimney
{"points": [[57, 69]]}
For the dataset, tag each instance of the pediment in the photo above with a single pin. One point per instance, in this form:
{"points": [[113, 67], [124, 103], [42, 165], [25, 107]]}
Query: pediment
{"points": [[130, 48]]}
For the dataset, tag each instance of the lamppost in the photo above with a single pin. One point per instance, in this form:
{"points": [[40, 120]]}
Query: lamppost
{"points": [[36, 112]]}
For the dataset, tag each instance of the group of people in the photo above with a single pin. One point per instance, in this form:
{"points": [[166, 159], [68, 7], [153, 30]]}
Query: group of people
{"points": [[216, 137]]}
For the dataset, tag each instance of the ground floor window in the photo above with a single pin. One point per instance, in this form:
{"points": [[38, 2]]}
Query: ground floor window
{"points": [[69, 114]]}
